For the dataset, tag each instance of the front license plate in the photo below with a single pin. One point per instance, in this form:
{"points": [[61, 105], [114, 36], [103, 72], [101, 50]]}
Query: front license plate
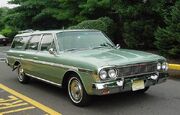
{"points": [[137, 85]]}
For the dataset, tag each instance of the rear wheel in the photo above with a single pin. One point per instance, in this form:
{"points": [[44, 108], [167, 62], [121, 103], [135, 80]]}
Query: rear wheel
{"points": [[77, 93], [22, 78]]}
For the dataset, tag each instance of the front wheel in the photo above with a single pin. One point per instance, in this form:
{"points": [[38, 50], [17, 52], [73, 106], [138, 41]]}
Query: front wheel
{"points": [[77, 93], [22, 78]]}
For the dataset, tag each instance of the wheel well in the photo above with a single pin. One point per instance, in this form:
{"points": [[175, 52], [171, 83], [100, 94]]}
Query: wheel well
{"points": [[67, 76], [16, 63], [15, 66]]}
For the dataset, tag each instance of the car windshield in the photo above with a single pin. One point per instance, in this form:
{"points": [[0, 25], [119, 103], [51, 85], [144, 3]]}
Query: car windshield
{"points": [[80, 40]]}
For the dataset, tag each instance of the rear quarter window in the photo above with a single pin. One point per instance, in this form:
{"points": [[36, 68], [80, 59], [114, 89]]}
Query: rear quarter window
{"points": [[20, 42]]}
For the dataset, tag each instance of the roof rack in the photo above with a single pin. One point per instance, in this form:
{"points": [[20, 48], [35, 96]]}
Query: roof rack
{"points": [[26, 31]]}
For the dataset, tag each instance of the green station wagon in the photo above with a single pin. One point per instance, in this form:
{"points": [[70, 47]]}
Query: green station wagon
{"points": [[85, 62]]}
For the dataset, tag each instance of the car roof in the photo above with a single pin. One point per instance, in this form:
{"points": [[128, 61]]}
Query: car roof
{"points": [[54, 31]]}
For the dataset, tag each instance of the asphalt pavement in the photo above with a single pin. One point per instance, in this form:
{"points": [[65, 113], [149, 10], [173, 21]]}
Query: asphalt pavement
{"points": [[162, 99]]}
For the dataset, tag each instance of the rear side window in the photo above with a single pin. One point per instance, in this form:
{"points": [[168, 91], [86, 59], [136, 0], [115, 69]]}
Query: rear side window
{"points": [[46, 42], [19, 42], [34, 42]]}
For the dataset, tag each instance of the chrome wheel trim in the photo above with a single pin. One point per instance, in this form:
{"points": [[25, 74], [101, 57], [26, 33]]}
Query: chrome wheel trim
{"points": [[75, 90], [20, 74]]}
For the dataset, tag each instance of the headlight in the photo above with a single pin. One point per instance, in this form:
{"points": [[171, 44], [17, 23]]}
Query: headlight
{"points": [[158, 66], [165, 66], [112, 73], [103, 74]]}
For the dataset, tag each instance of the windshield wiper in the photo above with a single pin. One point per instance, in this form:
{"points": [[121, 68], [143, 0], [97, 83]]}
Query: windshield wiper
{"points": [[98, 47], [104, 45]]}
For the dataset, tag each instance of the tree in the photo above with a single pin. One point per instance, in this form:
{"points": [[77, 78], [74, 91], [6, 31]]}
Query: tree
{"points": [[134, 21], [168, 38], [3, 13], [138, 21], [29, 15]]}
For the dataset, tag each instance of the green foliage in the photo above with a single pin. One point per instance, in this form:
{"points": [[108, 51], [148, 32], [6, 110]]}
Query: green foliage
{"points": [[3, 12], [5, 30], [9, 32], [104, 24], [110, 25], [1, 25], [168, 38], [91, 24], [138, 22], [95, 8], [134, 24], [139, 34]]}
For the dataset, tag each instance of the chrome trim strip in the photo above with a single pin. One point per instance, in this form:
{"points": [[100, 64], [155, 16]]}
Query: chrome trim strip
{"points": [[136, 64], [56, 42], [47, 81], [13, 57], [122, 66], [138, 74], [52, 64]]}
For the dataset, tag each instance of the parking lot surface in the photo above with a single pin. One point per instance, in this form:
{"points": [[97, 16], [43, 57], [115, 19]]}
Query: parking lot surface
{"points": [[15, 103], [162, 99]]}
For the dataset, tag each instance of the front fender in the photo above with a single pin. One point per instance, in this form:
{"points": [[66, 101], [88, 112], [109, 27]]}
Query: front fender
{"points": [[85, 77]]}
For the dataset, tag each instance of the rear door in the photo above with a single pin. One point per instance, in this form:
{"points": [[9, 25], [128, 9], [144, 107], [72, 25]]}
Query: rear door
{"points": [[30, 58]]}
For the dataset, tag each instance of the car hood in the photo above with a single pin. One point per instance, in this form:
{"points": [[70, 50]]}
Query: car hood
{"points": [[108, 57]]}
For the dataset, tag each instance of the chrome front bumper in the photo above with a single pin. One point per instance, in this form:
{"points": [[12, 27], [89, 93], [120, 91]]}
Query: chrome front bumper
{"points": [[125, 84]]}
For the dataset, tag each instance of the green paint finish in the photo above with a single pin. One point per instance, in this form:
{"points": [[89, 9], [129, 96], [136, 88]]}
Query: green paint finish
{"points": [[84, 60]]}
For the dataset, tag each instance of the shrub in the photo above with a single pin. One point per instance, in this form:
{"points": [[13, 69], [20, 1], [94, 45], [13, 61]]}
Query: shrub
{"points": [[110, 25], [9, 32], [91, 24], [104, 24]]}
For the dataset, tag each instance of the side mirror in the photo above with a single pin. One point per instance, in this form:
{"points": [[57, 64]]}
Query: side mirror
{"points": [[51, 51], [118, 46]]}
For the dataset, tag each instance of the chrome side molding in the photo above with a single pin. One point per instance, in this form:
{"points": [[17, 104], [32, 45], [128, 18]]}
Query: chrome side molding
{"points": [[44, 80]]}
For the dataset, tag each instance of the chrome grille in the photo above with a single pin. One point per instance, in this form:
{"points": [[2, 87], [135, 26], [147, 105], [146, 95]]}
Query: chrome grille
{"points": [[136, 69]]}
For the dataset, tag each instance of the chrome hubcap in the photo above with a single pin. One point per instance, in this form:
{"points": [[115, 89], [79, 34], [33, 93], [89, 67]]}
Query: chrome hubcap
{"points": [[75, 90], [20, 74]]}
